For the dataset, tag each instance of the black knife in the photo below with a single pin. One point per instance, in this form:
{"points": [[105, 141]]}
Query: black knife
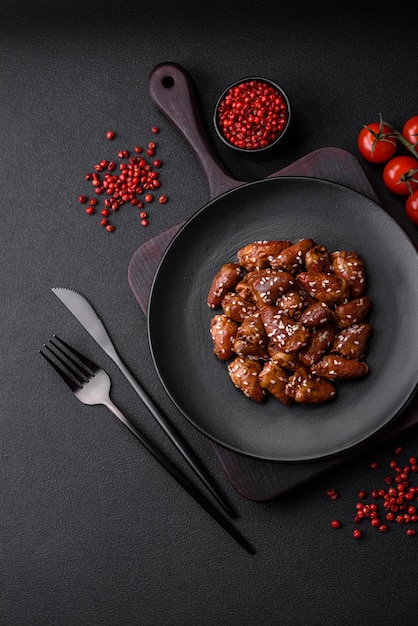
{"points": [[84, 312]]}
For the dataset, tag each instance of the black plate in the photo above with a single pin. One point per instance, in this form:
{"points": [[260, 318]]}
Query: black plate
{"points": [[179, 319]]}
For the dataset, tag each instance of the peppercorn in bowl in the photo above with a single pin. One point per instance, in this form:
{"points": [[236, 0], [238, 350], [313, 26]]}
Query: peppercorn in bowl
{"points": [[252, 115]]}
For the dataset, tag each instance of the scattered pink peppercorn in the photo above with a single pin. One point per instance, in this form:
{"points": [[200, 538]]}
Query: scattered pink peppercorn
{"points": [[162, 199], [391, 502], [155, 130], [135, 176], [357, 534], [335, 523], [332, 493]]}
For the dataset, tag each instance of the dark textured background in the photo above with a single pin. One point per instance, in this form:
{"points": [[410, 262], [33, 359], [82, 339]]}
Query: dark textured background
{"points": [[92, 531]]}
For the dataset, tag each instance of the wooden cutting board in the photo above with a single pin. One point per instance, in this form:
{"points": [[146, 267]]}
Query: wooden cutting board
{"points": [[260, 480]]}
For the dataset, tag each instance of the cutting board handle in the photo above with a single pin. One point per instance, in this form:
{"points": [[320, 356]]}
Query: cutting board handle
{"points": [[174, 94]]}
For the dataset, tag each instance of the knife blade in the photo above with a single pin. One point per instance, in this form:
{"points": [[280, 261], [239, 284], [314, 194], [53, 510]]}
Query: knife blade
{"points": [[85, 313]]}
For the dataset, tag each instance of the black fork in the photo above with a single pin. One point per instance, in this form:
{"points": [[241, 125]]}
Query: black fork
{"points": [[91, 385]]}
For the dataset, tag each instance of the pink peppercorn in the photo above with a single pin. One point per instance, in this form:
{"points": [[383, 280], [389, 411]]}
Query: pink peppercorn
{"points": [[252, 115]]}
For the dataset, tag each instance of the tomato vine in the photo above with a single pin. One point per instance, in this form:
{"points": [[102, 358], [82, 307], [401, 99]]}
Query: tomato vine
{"points": [[377, 143]]}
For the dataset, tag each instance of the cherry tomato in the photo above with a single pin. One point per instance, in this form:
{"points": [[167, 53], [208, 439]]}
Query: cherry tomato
{"points": [[412, 207], [400, 175], [376, 142], [410, 130]]}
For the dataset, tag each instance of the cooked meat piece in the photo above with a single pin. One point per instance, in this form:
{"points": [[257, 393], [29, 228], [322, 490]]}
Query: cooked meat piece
{"points": [[236, 307], [268, 285], [288, 360], [292, 259], [326, 288], [318, 259], [352, 312], [251, 338], [316, 314], [244, 374], [306, 387], [285, 332], [292, 303], [223, 331], [349, 266], [320, 340], [257, 255], [273, 379], [352, 341], [224, 281], [335, 367]]}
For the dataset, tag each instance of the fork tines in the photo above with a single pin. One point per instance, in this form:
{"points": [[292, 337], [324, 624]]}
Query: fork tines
{"points": [[75, 369]]}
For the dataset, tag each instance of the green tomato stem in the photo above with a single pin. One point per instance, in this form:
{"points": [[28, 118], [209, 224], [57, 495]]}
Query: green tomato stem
{"points": [[408, 145]]}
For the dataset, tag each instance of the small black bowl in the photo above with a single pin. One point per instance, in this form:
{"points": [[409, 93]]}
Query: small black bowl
{"points": [[252, 86]]}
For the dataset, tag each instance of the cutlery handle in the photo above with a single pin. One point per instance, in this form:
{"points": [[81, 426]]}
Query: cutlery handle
{"points": [[176, 439], [173, 92], [182, 479]]}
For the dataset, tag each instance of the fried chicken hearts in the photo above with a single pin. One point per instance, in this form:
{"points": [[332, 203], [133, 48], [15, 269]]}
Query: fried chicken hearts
{"points": [[294, 320]]}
